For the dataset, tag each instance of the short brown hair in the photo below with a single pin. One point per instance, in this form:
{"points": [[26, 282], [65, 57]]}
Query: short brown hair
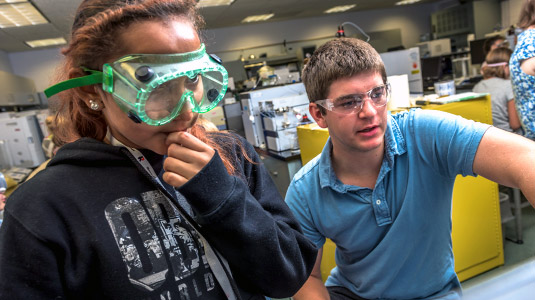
{"points": [[336, 59], [487, 45], [495, 56]]}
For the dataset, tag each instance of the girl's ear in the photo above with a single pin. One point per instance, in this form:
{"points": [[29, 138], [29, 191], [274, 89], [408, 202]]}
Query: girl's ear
{"points": [[88, 92]]}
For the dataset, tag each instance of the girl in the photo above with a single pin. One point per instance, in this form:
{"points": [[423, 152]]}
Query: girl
{"points": [[496, 82], [144, 204]]}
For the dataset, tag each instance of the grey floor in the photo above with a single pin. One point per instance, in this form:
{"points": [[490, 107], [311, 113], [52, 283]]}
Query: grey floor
{"points": [[519, 261]]}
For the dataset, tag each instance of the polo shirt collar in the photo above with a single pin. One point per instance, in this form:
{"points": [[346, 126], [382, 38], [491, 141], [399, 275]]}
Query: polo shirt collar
{"points": [[394, 145]]}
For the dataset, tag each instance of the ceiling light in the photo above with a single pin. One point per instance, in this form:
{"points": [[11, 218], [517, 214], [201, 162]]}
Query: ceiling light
{"points": [[12, 1], [208, 3], [20, 14], [405, 2], [46, 42], [257, 18], [340, 8]]}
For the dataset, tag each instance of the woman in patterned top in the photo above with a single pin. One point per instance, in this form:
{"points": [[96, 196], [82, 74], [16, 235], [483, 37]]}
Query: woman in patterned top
{"points": [[522, 67]]}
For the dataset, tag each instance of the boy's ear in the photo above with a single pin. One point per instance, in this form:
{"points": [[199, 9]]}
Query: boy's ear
{"points": [[317, 115]]}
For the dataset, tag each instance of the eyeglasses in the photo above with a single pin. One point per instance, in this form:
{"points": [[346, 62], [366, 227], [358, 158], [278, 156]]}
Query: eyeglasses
{"points": [[353, 103]]}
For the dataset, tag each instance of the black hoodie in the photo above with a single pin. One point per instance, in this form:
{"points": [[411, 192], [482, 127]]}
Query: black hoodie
{"points": [[94, 225]]}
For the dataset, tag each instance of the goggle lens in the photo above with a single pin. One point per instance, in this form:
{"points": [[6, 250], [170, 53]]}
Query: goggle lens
{"points": [[199, 94]]}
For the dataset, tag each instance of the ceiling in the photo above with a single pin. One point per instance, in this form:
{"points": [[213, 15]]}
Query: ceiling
{"points": [[60, 15]]}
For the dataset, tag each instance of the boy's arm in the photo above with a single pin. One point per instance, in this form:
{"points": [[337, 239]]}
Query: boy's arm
{"points": [[508, 159], [313, 289]]}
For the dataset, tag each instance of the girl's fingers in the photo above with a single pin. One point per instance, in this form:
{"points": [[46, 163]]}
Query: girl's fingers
{"points": [[174, 179], [186, 140]]}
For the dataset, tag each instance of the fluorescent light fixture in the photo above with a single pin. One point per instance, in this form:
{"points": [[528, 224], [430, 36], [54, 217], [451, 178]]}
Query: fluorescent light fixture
{"points": [[208, 3], [340, 8], [12, 1], [20, 14], [257, 18], [46, 42], [405, 2]]}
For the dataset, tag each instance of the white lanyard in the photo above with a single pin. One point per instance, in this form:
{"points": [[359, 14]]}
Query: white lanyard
{"points": [[211, 256]]}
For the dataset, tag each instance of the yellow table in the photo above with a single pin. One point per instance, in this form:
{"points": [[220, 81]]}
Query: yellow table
{"points": [[476, 233]]}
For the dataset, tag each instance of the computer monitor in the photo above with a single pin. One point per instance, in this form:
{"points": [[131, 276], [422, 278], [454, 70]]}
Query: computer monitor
{"points": [[477, 53], [431, 67]]}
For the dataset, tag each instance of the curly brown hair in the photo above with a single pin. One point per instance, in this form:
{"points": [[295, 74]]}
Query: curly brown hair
{"points": [[93, 42], [527, 14]]}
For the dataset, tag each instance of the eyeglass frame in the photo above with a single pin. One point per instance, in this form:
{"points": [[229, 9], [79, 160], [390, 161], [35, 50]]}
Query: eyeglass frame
{"points": [[329, 105]]}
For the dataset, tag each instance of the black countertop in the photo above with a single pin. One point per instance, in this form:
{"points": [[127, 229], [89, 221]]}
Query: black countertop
{"points": [[287, 155]]}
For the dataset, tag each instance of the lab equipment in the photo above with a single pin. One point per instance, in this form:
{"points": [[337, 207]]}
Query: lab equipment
{"points": [[19, 145], [252, 121], [477, 53], [280, 118], [405, 62], [435, 47]]}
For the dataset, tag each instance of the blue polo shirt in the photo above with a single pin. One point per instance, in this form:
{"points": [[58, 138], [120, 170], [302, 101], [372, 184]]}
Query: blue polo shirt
{"points": [[393, 242]]}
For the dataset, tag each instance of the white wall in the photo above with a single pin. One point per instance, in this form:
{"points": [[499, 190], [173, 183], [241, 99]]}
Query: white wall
{"points": [[412, 20], [5, 65], [38, 65], [511, 12]]}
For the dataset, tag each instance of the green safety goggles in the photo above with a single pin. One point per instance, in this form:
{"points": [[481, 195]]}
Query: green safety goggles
{"points": [[153, 88]]}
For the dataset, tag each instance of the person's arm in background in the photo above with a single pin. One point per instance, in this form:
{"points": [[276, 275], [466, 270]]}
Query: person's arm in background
{"points": [[2, 204], [508, 159], [514, 121], [2, 201], [313, 289], [528, 66]]}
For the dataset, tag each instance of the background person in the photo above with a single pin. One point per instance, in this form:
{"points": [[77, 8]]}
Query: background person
{"points": [[144, 204], [382, 187], [492, 43], [522, 66], [496, 82]]}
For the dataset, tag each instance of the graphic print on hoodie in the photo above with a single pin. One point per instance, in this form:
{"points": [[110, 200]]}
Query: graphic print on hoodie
{"points": [[157, 244]]}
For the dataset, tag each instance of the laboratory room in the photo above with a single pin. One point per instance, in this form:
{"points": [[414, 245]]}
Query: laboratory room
{"points": [[273, 75]]}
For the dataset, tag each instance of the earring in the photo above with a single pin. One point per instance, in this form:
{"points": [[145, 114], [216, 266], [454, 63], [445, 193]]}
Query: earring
{"points": [[94, 105]]}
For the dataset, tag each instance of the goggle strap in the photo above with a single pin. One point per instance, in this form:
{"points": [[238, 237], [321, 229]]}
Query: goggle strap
{"points": [[94, 78]]}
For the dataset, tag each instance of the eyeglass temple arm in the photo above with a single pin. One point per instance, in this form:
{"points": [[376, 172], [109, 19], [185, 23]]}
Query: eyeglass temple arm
{"points": [[94, 78]]}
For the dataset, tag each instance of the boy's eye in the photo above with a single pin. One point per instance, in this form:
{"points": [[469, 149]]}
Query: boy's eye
{"points": [[378, 93], [347, 102]]}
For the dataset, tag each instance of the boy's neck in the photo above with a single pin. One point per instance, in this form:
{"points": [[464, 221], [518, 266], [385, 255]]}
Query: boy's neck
{"points": [[358, 168]]}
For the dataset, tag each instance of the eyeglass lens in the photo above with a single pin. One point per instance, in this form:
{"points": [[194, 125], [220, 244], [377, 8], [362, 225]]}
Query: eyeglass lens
{"points": [[354, 102]]}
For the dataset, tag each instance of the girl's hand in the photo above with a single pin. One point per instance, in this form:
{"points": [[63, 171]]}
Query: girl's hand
{"points": [[187, 155]]}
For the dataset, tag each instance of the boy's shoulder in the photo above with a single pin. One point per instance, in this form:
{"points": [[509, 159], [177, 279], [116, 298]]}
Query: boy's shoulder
{"points": [[309, 170]]}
